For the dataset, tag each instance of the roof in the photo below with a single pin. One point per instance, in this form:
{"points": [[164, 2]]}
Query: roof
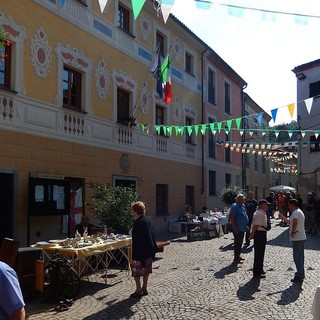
{"points": [[306, 66]]}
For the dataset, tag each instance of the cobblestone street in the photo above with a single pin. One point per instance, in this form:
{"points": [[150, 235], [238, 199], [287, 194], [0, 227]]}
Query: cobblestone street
{"points": [[197, 280]]}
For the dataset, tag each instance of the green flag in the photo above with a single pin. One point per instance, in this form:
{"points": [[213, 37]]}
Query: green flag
{"points": [[164, 69], [136, 7]]}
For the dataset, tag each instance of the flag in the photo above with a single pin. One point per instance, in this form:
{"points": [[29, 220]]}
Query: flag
{"points": [[167, 86], [156, 71]]}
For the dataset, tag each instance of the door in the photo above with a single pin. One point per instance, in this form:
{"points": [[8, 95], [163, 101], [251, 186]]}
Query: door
{"points": [[7, 205]]}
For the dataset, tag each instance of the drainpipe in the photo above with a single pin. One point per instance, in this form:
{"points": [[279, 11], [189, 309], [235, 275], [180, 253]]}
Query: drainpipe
{"points": [[202, 121], [243, 100]]}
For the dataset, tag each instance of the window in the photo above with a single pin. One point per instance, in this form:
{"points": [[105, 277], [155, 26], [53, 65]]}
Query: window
{"points": [[189, 63], [256, 162], [71, 89], [227, 103], [227, 151], [5, 66], [211, 142], [189, 137], [246, 160], [160, 119], [246, 119], [264, 165], [161, 199], [190, 196], [314, 89], [212, 183], [211, 86], [228, 180], [314, 144], [124, 18], [123, 106], [160, 41]]}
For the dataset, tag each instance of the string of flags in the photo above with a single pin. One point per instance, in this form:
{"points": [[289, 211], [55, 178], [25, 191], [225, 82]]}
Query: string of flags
{"points": [[165, 6]]}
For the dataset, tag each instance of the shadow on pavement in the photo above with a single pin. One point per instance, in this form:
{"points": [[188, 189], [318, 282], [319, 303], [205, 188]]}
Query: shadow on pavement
{"points": [[227, 247], [247, 291], [119, 310], [232, 268], [289, 295]]}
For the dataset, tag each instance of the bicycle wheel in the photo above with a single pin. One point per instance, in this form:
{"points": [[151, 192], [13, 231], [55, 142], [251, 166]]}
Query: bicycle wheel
{"points": [[68, 282]]}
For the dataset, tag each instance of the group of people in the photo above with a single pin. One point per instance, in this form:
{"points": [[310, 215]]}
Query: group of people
{"points": [[250, 217]]}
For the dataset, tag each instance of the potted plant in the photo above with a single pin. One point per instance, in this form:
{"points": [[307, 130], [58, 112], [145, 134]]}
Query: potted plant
{"points": [[228, 194], [112, 206]]}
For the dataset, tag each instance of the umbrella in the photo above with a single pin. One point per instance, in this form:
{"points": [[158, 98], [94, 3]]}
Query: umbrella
{"points": [[282, 188]]}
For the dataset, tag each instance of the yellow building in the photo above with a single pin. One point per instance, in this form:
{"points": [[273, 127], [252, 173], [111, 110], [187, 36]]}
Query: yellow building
{"points": [[71, 84]]}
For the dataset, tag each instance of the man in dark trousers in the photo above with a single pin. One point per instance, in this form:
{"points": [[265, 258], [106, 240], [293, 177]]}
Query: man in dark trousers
{"points": [[251, 206]]}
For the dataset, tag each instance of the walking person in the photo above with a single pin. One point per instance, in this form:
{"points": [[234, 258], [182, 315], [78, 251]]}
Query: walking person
{"points": [[297, 237], [144, 248], [239, 222], [251, 205], [259, 236], [11, 299]]}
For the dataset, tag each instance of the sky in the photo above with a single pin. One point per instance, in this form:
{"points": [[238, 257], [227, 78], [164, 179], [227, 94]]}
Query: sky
{"points": [[261, 47]]}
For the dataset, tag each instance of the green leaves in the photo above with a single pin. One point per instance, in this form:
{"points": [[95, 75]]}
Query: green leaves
{"points": [[112, 205]]}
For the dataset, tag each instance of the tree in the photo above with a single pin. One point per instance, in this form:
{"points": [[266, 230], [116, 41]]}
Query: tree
{"points": [[228, 194], [112, 205], [3, 37]]}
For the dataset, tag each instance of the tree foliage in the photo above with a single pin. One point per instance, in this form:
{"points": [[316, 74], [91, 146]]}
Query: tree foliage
{"points": [[112, 205], [3, 37], [228, 195]]}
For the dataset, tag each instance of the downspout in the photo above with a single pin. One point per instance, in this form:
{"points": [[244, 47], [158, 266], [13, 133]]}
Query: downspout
{"points": [[202, 121], [243, 99]]}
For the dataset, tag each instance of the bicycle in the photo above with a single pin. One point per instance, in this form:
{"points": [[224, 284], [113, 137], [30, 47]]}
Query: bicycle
{"points": [[62, 281]]}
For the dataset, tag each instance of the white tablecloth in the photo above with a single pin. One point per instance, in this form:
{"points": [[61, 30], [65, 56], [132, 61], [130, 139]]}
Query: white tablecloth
{"points": [[316, 305]]}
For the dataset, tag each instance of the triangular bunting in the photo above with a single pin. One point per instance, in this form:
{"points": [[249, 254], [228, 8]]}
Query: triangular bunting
{"points": [[303, 133], [158, 128], [229, 124], [166, 6], [291, 109], [203, 129], [308, 103], [274, 114], [316, 134], [219, 125], [136, 7], [102, 4], [189, 130], [212, 128], [238, 123], [196, 129]]}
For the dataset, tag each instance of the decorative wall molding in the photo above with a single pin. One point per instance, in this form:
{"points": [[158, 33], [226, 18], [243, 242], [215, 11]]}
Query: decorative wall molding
{"points": [[177, 48], [144, 98], [102, 78], [145, 26], [70, 56], [41, 53], [17, 35], [177, 111]]}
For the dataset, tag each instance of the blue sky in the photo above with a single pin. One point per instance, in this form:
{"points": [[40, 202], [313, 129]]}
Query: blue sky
{"points": [[261, 47]]}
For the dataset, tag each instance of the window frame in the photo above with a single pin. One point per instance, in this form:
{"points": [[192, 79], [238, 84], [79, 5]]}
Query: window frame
{"points": [[125, 113], [314, 89], [163, 119], [189, 63], [162, 43], [211, 95], [189, 139], [124, 24], [227, 98], [162, 194], [212, 187], [227, 180], [7, 63], [78, 85]]}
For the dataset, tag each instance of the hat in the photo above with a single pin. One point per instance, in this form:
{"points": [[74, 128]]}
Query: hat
{"points": [[264, 201], [310, 194]]}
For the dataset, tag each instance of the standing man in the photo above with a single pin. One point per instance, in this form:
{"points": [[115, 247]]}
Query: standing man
{"points": [[298, 237], [251, 206], [259, 236], [239, 221], [11, 299]]}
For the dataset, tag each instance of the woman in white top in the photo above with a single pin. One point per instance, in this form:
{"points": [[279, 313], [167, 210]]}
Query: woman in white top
{"points": [[259, 236]]}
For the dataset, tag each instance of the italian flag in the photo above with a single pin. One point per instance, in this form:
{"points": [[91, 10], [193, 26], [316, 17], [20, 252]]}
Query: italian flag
{"points": [[166, 79]]}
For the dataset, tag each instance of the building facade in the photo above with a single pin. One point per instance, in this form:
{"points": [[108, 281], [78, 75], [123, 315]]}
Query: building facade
{"points": [[79, 104]]}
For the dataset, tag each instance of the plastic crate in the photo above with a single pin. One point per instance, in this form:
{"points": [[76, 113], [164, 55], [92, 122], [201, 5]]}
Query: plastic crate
{"points": [[192, 236]]}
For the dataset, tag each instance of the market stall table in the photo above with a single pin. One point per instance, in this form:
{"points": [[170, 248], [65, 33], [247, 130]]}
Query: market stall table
{"points": [[92, 257]]}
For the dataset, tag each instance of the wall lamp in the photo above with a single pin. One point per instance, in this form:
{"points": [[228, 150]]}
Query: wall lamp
{"points": [[301, 76]]}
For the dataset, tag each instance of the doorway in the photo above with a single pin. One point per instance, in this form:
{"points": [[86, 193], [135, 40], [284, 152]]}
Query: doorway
{"points": [[7, 214]]}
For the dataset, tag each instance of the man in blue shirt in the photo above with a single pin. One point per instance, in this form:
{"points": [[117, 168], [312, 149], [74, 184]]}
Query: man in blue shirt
{"points": [[239, 221], [11, 299]]}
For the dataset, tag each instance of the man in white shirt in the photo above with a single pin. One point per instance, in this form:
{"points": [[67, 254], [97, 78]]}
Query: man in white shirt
{"points": [[297, 236]]}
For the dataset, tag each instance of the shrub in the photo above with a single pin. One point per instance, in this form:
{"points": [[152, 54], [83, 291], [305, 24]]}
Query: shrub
{"points": [[112, 206], [228, 195]]}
